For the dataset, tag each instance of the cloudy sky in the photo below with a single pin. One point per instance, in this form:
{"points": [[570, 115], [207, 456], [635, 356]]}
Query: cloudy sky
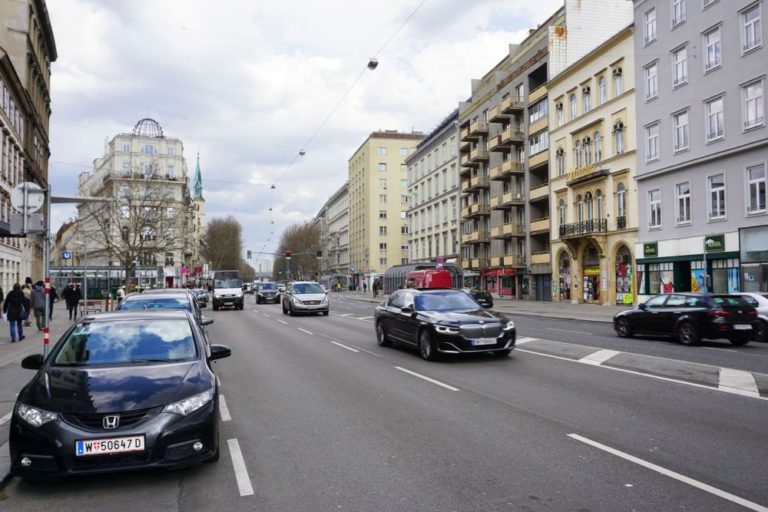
{"points": [[250, 83]]}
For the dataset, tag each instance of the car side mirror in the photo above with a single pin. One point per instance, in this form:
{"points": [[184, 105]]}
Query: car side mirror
{"points": [[219, 352], [407, 309], [643, 306], [33, 362], [206, 321]]}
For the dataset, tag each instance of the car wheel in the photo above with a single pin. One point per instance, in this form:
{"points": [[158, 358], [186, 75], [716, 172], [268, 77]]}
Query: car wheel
{"points": [[761, 331], [739, 341], [427, 349], [215, 307], [325, 313], [291, 312], [381, 336], [687, 334], [623, 329]]}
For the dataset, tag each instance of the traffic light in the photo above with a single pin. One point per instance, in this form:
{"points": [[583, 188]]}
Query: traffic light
{"points": [[287, 253], [249, 254]]}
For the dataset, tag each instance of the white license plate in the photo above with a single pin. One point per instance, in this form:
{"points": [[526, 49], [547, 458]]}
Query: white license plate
{"points": [[484, 341], [106, 446], [742, 327]]}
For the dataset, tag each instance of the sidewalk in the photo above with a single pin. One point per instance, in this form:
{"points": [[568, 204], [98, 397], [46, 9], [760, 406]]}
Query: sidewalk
{"points": [[33, 341], [566, 310]]}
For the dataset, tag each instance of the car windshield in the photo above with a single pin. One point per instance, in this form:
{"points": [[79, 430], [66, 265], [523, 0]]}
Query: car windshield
{"points": [[307, 288], [140, 303], [268, 286], [227, 283], [448, 301], [126, 342]]}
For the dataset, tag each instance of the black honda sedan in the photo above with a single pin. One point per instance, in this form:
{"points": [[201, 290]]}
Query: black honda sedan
{"points": [[119, 391], [441, 321], [690, 317]]}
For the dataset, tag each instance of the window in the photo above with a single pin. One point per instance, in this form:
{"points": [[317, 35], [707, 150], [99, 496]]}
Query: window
{"points": [[652, 142], [382, 230], [403, 152], [146, 169], [654, 208], [713, 53], [680, 66], [707, 3], [715, 119], [651, 81], [383, 262], [382, 166], [618, 138], [602, 90], [383, 246], [125, 212], [171, 151], [599, 204], [588, 201], [752, 31], [681, 131], [561, 212], [756, 184], [650, 26], [574, 106], [587, 147], [382, 182], [126, 168], [580, 208], [577, 154], [560, 114], [382, 198], [621, 201], [678, 12], [126, 148], [716, 186], [585, 99], [538, 111], [520, 92], [539, 142], [382, 214], [753, 105], [170, 171], [560, 158], [382, 151], [617, 82], [683, 204], [149, 149], [598, 147]]}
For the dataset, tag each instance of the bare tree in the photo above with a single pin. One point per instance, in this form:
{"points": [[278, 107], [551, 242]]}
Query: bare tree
{"points": [[223, 243], [303, 240]]}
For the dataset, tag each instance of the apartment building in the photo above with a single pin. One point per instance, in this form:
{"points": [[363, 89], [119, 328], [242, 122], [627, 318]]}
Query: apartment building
{"points": [[593, 190], [504, 172], [334, 237], [27, 49], [703, 141], [433, 191], [378, 201]]}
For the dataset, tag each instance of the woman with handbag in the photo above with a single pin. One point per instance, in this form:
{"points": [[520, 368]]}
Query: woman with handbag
{"points": [[16, 309]]}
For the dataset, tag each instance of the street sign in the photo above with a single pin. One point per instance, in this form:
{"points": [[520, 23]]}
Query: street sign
{"points": [[35, 197], [66, 255]]}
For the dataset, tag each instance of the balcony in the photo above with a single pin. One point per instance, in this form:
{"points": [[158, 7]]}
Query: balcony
{"points": [[514, 260], [513, 198], [536, 193], [583, 228], [464, 160], [540, 258], [540, 225], [465, 212], [465, 146], [497, 262], [479, 209], [465, 133], [536, 94], [497, 232], [476, 237], [466, 264], [465, 186], [478, 155], [513, 135], [477, 128], [621, 222], [510, 230], [538, 125], [496, 203], [512, 105], [481, 263], [496, 115], [538, 159], [480, 181]]}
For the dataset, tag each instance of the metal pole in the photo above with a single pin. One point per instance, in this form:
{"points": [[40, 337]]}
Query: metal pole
{"points": [[704, 243], [85, 276], [47, 272]]}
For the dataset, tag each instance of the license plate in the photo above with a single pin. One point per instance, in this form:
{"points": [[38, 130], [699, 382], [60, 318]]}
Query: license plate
{"points": [[106, 446], [484, 341], [743, 327]]}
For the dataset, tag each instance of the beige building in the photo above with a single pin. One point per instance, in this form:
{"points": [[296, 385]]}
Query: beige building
{"points": [[27, 48], [593, 190], [378, 200]]}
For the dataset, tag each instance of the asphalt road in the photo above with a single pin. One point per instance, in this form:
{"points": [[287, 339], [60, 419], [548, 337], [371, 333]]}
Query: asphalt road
{"points": [[321, 418]]}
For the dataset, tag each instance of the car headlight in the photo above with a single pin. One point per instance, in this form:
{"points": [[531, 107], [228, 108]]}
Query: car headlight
{"points": [[189, 405], [510, 325], [33, 416], [296, 301], [444, 329]]}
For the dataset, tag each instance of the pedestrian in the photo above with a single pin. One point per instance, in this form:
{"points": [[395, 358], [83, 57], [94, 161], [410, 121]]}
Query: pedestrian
{"points": [[71, 297], [27, 291], [365, 286], [38, 304], [120, 296], [52, 296], [16, 309], [375, 288]]}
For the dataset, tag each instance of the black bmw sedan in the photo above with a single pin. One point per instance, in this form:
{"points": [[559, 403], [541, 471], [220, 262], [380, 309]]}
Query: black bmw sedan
{"points": [[441, 321], [119, 391]]}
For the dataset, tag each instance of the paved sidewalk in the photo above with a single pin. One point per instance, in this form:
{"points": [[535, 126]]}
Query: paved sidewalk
{"points": [[584, 312], [33, 341]]}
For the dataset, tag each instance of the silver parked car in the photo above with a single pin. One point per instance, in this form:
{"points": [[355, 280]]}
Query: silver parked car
{"points": [[759, 301], [304, 297]]}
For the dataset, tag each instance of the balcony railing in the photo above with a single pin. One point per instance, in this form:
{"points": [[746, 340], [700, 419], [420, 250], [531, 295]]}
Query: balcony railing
{"points": [[514, 260], [512, 104], [621, 222], [584, 228]]}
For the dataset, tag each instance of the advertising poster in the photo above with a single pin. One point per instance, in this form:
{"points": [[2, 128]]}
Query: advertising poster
{"points": [[667, 282]]}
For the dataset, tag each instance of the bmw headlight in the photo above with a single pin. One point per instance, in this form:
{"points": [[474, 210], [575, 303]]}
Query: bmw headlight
{"points": [[510, 325], [445, 329], [33, 416], [191, 404]]}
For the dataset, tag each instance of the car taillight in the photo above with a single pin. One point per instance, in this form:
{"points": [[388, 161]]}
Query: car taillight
{"points": [[718, 312], [752, 312]]}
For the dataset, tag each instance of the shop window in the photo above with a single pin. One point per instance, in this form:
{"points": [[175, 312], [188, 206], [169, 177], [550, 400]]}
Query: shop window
{"points": [[660, 278]]}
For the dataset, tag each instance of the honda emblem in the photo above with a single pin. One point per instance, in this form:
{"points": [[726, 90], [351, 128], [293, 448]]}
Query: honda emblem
{"points": [[111, 422]]}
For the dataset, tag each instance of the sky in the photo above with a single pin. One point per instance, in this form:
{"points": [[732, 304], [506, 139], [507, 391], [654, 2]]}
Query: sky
{"points": [[250, 84]]}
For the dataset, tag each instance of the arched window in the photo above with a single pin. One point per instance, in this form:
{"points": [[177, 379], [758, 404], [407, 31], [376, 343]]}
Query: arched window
{"points": [[580, 207], [603, 90], [598, 147], [588, 200], [561, 212], [618, 138], [560, 157], [600, 204]]}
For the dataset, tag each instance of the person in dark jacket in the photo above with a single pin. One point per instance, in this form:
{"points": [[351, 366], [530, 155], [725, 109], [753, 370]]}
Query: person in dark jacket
{"points": [[26, 289], [38, 304], [72, 297], [14, 305], [52, 296]]}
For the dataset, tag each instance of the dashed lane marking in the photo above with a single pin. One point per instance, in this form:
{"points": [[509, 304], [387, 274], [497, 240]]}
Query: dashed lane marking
{"points": [[738, 381], [306, 331], [282, 321], [599, 357], [568, 330], [5, 418], [241, 472], [428, 379], [364, 318], [223, 409], [344, 346]]}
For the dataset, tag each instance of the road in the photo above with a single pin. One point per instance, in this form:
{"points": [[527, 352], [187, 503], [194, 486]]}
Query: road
{"points": [[320, 418]]}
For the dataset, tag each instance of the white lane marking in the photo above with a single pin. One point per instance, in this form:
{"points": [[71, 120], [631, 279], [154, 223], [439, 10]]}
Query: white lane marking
{"points": [[433, 381], [567, 330], [738, 380], [344, 346], [364, 318], [5, 418], [641, 374], [266, 315], [672, 474], [306, 331], [524, 340], [218, 381], [282, 321], [223, 409], [347, 314], [599, 357], [241, 472]]}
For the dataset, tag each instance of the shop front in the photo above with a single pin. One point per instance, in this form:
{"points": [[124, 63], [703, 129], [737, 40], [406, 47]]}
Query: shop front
{"points": [[624, 293], [753, 244], [501, 281], [564, 277], [590, 272]]}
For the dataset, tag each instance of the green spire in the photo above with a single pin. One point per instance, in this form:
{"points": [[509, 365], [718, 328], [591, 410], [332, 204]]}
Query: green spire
{"points": [[197, 183]]}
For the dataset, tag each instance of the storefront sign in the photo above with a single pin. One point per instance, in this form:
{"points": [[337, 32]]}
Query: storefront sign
{"points": [[651, 249], [714, 243], [586, 173], [592, 271]]}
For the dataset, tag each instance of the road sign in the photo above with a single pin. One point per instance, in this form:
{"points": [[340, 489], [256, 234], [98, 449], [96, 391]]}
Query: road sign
{"points": [[35, 197], [66, 255]]}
